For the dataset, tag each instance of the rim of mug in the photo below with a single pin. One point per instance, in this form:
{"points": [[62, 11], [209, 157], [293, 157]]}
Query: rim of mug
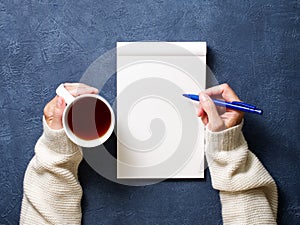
{"points": [[88, 143]]}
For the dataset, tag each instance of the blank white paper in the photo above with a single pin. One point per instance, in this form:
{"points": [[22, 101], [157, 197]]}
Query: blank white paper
{"points": [[158, 132]]}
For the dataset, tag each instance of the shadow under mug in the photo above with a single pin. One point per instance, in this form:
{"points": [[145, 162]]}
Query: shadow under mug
{"points": [[71, 101]]}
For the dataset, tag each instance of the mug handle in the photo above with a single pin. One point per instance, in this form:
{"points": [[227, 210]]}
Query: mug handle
{"points": [[64, 93]]}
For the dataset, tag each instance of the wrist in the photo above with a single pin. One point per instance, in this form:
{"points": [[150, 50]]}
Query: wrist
{"points": [[57, 140], [226, 140]]}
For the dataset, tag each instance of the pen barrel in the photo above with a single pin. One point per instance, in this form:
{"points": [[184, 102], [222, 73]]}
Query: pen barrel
{"points": [[241, 106], [237, 107]]}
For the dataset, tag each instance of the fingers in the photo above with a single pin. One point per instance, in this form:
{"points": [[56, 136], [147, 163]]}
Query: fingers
{"points": [[232, 118], [58, 112], [224, 91], [209, 115], [203, 115], [208, 106], [204, 119], [53, 113], [77, 89], [218, 118], [200, 110]]}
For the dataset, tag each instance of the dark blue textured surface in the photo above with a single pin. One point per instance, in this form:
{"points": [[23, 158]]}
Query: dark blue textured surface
{"points": [[253, 45]]}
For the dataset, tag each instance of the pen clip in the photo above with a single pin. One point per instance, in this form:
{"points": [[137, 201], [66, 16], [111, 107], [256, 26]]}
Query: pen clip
{"points": [[244, 104]]}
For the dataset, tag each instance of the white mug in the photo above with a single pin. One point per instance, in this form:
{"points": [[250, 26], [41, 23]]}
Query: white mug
{"points": [[70, 101]]}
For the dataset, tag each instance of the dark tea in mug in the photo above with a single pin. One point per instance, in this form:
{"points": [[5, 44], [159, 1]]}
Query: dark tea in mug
{"points": [[89, 118]]}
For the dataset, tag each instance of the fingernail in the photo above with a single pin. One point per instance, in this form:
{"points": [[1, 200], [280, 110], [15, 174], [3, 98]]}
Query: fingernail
{"points": [[203, 97]]}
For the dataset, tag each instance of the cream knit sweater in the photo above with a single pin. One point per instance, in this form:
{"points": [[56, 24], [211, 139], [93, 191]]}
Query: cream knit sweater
{"points": [[52, 193]]}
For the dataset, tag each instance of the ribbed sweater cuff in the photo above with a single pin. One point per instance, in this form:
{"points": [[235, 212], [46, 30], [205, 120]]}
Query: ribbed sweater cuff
{"points": [[225, 140], [57, 140]]}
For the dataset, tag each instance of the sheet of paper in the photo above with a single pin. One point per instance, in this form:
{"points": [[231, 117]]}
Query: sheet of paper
{"points": [[159, 133]]}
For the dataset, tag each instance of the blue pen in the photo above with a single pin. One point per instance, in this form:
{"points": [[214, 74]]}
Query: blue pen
{"points": [[241, 106]]}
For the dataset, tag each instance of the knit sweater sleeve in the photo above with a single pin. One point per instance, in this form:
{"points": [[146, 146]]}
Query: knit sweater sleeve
{"points": [[52, 192], [247, 191]]}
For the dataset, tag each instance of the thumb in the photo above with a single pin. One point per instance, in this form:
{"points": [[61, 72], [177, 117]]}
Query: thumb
{"points": [[58, 112], [215, 123]]}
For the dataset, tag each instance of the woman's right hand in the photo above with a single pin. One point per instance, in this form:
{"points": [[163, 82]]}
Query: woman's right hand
{"points": [[218, 119]]}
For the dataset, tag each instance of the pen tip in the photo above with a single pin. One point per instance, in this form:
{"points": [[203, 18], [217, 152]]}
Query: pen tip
{"points": [[185, 95]]}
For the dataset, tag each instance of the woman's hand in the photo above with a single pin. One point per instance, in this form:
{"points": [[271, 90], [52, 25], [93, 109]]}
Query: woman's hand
{"points": [[218, 118], [53, 111]]}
